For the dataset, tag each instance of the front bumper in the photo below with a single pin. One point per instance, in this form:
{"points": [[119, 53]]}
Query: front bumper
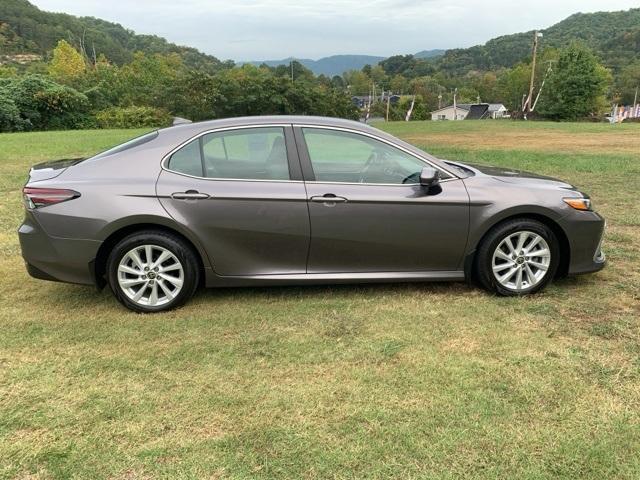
{"points": [[585, 232], [54, 258]]}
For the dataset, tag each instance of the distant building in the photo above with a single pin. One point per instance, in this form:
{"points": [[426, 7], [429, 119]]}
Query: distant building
{"points": [[361, 101], [471, 111], [498, 110], [460, 112]]}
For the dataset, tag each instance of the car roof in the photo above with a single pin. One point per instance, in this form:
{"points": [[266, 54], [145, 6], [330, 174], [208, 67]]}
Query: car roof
{"points": [[270, 119]]}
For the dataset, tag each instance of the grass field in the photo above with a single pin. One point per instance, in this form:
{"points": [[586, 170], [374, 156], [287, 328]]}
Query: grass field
{"points": [[437, 381]]}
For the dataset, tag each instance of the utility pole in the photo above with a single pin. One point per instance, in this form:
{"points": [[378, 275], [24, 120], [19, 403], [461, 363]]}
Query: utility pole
{"points": [[455, 104], [544, 80], [291, 63], [439, 101], [388, 103], [528, 104]]}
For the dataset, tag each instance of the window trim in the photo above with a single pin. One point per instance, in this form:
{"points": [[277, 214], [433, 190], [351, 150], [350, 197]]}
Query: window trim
{"points": [[306, 157], [164, 163]]}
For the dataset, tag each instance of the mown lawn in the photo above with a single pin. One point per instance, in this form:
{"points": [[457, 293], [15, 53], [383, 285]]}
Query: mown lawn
{"points": [[407, 381]]}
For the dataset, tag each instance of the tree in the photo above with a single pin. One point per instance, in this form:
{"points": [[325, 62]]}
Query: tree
{"points": [[10, 119], [398, 64], [7, 71], [42, 104], [358, 82], [628, 82], [512, 84], [67, 64], [576, 88], [399, 84]]}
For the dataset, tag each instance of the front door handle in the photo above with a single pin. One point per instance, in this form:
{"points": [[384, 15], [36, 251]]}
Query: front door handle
{"points": [[189, 195], [329, 199]]}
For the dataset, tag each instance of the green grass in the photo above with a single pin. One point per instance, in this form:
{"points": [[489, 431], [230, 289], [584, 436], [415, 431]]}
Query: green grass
{"points": [[403, 381]]}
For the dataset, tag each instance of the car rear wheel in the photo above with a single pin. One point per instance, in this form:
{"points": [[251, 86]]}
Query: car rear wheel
{"points": [[518, 257], [152, 271]]}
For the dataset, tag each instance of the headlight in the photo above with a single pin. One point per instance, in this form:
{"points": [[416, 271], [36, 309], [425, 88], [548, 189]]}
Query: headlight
{"points": [[579, 203]]}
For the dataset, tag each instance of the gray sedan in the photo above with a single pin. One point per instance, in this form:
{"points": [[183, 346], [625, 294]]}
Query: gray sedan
{"points": [[296, 200]]}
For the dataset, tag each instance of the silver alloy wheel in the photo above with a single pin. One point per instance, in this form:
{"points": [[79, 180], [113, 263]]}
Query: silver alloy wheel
{"points": [[521, 261], [150, 275]]}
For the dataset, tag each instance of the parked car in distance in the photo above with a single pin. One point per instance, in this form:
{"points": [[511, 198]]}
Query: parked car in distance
{"points": [[289, 200]]}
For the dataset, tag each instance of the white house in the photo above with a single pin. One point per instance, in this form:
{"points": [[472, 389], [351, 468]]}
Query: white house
{"points": [[498, 110], [449, 113]]}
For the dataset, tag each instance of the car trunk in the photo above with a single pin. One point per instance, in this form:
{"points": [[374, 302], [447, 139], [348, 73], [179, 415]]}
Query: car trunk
{"points": [[51, 169]]}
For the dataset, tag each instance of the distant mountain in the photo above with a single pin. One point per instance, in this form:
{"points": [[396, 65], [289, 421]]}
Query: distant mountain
{"points": [[25, 29], [338, 64], [430, 53], [330, 66], [614, 36]]}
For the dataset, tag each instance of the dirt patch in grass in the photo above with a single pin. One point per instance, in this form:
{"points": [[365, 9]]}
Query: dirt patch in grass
{"points": [[625, 142]]}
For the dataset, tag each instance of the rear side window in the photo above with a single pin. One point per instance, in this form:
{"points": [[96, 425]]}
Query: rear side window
{"points": [[247, 154], [187, 160], [135, 142]]}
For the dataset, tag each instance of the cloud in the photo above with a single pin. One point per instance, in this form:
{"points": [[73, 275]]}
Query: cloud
{"points": [[266, 29]]}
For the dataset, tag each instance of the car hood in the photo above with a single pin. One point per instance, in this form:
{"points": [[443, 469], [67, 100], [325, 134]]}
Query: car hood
{"points": [[509, 175]]}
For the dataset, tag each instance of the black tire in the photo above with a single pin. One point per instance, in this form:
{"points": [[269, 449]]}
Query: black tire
{"points": [[484, 257], [175, 245]]}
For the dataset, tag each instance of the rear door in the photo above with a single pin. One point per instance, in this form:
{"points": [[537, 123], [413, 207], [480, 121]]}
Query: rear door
{"points": [[368, 212], [240, 191]]}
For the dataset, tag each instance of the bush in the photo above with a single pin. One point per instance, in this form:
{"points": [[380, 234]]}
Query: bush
{"points": [[42, 104], [10, 120], [133, 117]]}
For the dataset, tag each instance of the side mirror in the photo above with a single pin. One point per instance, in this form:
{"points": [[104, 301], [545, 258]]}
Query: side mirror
{"points": [[429, 177]]}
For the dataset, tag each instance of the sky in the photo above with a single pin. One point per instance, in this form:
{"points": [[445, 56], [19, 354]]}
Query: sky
{"points": [[276, 29]]}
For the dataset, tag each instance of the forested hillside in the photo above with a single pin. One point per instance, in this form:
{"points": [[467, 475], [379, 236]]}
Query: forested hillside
{"points": [[613, 36], [26, 29]]}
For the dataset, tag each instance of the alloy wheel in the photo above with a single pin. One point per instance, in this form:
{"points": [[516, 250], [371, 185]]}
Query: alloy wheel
{"points": [[150, 275], [521, 261]]}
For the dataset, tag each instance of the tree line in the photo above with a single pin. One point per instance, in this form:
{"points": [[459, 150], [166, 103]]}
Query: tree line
{"points": [[576, 84], [71, 90]]}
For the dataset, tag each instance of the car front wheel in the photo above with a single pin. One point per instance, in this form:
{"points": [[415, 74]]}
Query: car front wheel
{"points": [[518, 257], [152, 271]]}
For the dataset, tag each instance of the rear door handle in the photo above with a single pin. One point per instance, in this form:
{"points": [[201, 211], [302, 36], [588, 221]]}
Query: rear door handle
{"points": [[329, 199], [189, 195]]}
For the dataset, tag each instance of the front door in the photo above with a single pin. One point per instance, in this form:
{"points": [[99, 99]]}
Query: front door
{"points": [[240, 192], [368, 212]]}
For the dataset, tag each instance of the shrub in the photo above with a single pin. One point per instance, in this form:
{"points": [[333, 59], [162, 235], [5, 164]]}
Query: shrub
{"points": [[43, 104], [10, 120], [133, 117]]}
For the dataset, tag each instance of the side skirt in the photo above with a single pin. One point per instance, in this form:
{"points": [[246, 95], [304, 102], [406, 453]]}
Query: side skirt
{"points": [[213, 280]]}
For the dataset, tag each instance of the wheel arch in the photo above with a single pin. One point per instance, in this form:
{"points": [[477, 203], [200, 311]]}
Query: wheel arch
{"points": [[118, 232], [558, 231]]}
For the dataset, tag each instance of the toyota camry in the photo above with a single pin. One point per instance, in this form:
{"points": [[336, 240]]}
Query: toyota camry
{"points": [[296, 200]]}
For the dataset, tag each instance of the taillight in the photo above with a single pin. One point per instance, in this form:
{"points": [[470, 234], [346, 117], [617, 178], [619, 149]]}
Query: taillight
{"points": [[43, 197]]}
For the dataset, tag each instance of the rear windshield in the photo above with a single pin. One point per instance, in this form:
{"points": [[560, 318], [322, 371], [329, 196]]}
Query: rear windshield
{"points": [[134, 142]]}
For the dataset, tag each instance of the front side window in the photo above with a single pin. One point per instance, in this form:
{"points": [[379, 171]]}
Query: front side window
{"points": [[345, 157], [247, 154]]}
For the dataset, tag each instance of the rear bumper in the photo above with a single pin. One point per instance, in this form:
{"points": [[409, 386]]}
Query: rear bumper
{"points": [[585, 231], [54, 258]]}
